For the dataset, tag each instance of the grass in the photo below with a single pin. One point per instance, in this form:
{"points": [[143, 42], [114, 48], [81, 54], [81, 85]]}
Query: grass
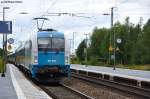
{"points": [[135, 67], [1, 64]]}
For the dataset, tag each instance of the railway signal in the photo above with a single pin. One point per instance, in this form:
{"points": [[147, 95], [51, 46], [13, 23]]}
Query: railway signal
{"points": [[110, 48], [10, 40], [5, 28], [9, 47]]}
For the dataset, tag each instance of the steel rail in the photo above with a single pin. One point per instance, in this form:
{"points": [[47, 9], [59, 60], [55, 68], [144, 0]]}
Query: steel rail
{"points": [[84, 96], [55, 96], [136, 91], [50, 93]]}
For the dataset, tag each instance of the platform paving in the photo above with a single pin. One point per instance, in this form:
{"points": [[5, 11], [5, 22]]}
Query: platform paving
{"points": [[16, 86], [7, 90], [136, 74], [25, 89]]}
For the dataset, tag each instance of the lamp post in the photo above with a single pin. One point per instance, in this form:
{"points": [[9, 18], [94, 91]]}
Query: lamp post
{"points": [[70, 51], [22, 13], [73, 40], [4, 46], [86, 54], [110, 47], [110, 39]]}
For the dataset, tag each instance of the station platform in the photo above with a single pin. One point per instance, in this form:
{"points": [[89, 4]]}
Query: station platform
{"points": [[7, 90], [16, 86], [126, 73]]}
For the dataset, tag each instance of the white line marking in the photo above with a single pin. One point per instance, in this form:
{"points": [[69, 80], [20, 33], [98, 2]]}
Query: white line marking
{"points": [[16, 85], [113, 74]]}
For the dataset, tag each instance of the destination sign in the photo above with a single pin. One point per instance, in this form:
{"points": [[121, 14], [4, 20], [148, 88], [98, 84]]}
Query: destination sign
{"points": [[6, 27]]}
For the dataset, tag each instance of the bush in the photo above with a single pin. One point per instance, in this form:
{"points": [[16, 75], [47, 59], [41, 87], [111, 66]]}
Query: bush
{"points": [[93, 62], [1, 64], [75, 60]]}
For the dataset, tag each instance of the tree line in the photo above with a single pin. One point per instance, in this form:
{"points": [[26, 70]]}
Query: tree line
{"points": [[133, 49], [1, 52]]}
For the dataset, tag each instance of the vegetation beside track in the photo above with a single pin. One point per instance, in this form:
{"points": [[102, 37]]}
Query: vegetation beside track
{"points": [[133, 52], [1, 64], [1, 60], [135, 67]]}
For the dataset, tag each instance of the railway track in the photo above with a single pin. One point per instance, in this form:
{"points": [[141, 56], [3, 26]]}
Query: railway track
{"points": [[58, 91], [132, 90], [61, 91]]}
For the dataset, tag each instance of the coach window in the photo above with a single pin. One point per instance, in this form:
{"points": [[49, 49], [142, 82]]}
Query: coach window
{"points": [[28, 45]]}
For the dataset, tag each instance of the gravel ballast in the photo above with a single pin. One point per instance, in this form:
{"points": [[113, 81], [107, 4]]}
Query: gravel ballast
{"points": [[97, 91]]}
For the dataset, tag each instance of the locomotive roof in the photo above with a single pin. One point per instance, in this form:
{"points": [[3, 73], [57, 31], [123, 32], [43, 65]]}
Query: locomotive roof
{"points": [[50, 33]]}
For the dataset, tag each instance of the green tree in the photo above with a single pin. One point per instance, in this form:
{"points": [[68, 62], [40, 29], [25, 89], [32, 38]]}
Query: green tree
{"points": [[134, 48], [146, 43], [129, 33], [100, 42], [80, 51], [1, 52]]}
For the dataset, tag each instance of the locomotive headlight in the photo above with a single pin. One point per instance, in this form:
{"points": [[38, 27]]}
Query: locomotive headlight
{"points": [[35, 56], [35, 59]]}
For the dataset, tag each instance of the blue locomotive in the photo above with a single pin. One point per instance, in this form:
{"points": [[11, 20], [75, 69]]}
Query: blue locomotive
{"points": [[45, 56]]}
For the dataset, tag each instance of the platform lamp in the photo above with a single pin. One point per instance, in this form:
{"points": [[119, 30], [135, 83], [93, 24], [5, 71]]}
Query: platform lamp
{"points": [[112, 33], [4, 46]]}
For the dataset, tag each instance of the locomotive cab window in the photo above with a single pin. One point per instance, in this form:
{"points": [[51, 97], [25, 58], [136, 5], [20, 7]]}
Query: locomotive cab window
{"points": [[44, 43], [53, 44], [58, 43]]}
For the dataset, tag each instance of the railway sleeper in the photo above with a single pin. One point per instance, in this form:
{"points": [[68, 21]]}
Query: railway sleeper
{"points": [[95, 75], [73, 70], [145, 84]]}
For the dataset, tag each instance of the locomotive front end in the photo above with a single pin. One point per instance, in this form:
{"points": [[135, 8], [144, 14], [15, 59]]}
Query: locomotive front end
{"points": [[51, 56]]}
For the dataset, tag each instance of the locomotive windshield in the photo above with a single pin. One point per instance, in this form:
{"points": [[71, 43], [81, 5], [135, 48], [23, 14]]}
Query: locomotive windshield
{"points": [[57, 43], [44, 43], [51, 44]]}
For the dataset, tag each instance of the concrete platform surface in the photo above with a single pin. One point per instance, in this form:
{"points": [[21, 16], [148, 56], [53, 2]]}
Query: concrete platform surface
{"points": [[7, 90], [128, 73], [15, 86], [25, 89]]}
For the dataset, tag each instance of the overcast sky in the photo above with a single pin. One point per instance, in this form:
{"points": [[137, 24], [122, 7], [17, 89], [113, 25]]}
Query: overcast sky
{"points": [[23, 25]]}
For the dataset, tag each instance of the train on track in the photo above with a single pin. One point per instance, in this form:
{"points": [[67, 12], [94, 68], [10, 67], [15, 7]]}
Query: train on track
{"points": [[45, 56]]}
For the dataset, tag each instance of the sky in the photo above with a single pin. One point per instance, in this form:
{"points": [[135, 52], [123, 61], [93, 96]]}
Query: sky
{"points": [[91, 10]]}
